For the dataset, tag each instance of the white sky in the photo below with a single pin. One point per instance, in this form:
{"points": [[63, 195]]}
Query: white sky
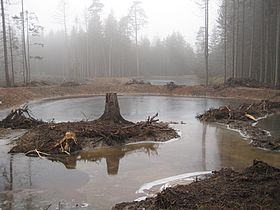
{"points": [[164, 16]]}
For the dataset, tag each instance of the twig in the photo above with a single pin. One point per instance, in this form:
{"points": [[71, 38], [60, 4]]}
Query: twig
{"points": [[48, 206], [38, 153]]}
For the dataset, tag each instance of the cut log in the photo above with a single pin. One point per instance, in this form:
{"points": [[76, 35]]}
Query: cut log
{"points": [[112, 110]]}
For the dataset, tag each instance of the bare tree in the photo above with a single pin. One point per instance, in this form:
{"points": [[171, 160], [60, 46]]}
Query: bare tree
{"points": [[61, 18], [138, 20]]}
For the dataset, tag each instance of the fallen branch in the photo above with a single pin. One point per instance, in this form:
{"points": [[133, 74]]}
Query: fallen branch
{"points": [[37, 152]]}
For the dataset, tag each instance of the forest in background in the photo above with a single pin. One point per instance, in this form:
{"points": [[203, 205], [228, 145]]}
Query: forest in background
{"points": [[244, 43]]}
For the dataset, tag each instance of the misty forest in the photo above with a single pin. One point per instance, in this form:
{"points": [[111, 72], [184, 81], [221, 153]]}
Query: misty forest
{"points": [[168, 105], [243, 43]]}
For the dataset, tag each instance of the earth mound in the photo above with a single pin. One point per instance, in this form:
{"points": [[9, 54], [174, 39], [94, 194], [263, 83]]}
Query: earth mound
{"points": [[256, 187]]}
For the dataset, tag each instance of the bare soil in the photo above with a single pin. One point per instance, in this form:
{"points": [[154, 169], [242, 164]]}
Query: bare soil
{"points": [[11, 97], [256, 187]]}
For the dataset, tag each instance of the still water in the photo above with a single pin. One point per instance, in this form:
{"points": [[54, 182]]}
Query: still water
{"points": [[103, 177]]}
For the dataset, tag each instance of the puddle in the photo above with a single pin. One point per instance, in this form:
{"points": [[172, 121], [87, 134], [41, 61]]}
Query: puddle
{"points": [[100, 178]]}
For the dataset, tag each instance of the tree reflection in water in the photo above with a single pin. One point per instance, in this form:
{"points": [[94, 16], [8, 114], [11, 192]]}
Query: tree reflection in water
{"points": [[113, 155]]}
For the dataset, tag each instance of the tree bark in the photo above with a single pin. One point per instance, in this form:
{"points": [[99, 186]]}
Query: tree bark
{"points": [[112, 110]]}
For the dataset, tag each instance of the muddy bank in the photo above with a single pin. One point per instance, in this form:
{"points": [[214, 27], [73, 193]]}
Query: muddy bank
{"points": [[256, 187], [10, 97], [242, 118]]}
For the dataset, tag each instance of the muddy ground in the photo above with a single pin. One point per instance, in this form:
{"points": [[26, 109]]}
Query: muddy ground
{"points": [[256, 187], [11, 97]]}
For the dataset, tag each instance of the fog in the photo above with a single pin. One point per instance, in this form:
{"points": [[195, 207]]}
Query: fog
{"points": [[81, 40], [164, 17]]}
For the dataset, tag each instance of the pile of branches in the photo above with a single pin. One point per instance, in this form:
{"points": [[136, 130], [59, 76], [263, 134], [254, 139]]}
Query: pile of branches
{"points": [[137, 82], [70, 84], [256, 187], [20, 119], [241, 119], [245, 112], [38, 83], [172, 86], [70, 137]]}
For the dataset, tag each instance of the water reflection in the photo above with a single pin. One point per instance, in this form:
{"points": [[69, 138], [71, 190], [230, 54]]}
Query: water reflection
{"points": [[97, 177], [203, 146], [238, 153], [112, 155], [271, 124]]}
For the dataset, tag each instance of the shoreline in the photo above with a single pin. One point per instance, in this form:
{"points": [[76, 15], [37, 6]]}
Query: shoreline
{"points": [[82, 91], [11, 97]]}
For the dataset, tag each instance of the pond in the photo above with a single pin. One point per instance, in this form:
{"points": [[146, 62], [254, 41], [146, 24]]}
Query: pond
{"points": [[103, 177]]}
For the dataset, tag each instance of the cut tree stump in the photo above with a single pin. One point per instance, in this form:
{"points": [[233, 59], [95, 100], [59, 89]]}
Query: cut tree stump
{"points": [[112, 110]]}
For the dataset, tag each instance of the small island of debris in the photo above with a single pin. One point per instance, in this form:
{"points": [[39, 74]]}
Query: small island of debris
{"points": [[243, 118], [49, 138]]}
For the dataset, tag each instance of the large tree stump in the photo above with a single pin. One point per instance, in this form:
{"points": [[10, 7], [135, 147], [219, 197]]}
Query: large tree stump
{"points": [[112, 110]]}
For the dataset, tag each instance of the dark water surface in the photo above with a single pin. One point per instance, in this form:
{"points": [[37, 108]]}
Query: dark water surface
{"points": [[107, 176]]}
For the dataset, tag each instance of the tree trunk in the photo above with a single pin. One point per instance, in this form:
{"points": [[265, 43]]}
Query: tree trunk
{"points": [[233, 40], [136, 42], [225, 44], [262, 44], [25, 67], [28, 48], [237, 40], [12, 55], [8, 82], [252, 41], [243, 39], [206, 41], [277, 47], [112, 110]]}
